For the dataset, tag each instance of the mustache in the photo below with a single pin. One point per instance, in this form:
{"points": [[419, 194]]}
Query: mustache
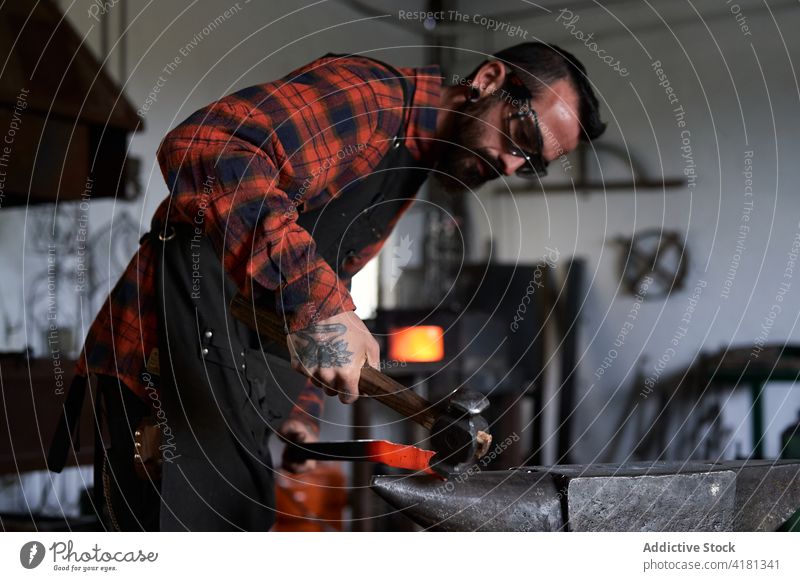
{"points": [[466, 168]]}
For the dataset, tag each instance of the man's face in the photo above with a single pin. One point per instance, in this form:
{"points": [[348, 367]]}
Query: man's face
{"points": [[478, 149]]}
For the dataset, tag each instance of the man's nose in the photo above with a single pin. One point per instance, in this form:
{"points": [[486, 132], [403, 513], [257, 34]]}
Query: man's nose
{"points": [[511, 163]]}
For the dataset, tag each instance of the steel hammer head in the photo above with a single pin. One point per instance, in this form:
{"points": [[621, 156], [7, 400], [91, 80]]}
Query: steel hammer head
{"points": [[460, 435]]}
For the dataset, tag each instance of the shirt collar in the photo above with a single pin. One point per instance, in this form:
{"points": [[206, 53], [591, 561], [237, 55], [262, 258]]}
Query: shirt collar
{"points": [[427, 82]]}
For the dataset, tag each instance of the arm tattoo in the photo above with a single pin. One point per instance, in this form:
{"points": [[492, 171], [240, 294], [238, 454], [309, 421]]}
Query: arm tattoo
{"points": [[324, 346]]}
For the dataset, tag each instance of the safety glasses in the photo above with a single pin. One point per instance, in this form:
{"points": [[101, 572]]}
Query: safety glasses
{"points": [[522, 127]]}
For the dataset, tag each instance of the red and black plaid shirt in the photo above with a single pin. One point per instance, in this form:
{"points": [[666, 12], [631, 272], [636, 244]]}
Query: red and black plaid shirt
{"points": [[249, 163]]}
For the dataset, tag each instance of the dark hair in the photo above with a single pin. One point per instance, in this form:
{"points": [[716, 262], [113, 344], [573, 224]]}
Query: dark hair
{"points": [[540, 65]]}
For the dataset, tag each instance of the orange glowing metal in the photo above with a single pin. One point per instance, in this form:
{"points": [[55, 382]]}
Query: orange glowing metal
{"points": [[421, 344], [388, 453], [400, 456]]}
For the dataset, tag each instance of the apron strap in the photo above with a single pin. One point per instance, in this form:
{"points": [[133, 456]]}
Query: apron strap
{"points": [[67, 432]]}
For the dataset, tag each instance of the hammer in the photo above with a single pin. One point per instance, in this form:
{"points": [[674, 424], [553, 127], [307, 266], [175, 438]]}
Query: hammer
{"points": [[459, 433]]}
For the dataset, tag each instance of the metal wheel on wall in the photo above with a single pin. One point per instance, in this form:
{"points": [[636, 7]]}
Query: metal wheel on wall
{"points": [[654, 263]]}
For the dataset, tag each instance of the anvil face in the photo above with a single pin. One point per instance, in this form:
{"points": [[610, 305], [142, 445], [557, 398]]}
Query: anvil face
{"points": [[756, 495]]}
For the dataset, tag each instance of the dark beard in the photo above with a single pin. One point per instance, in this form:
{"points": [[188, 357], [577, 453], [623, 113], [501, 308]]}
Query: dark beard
{"points": [[458, 168]]}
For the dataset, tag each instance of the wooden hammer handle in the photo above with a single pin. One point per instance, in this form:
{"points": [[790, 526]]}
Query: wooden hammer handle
{"points": [[372, 382]]}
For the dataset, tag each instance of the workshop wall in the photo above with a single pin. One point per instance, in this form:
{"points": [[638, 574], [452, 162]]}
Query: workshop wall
{"points": [[730, 70]]}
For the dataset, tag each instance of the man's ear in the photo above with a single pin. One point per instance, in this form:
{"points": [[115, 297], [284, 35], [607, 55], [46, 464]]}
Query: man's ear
{"points": [[490, 77]]}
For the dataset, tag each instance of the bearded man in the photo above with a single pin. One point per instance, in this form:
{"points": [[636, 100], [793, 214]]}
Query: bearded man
{"points": [[283, 191]]}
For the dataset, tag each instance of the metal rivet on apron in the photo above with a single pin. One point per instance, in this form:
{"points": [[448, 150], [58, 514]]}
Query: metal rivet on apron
{"points": [[244, 366], [241, 354], [168, 234], [397, 142], [208, 334], [204, 351]]}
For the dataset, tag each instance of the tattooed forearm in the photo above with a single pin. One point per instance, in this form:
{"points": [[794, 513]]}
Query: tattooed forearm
{"points": [[324, 346]]}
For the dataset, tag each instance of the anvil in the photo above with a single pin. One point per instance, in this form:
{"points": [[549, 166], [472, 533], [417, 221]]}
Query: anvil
{"points": [[754, 495]]}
